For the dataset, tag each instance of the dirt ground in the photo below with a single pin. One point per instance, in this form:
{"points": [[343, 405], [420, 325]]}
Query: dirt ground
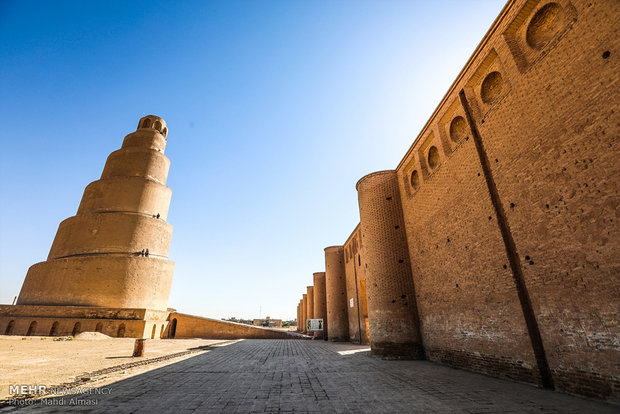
{"points": [[41, 360]]}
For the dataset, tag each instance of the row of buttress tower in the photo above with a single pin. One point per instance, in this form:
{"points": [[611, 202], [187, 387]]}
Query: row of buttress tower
{"points": [[370, 301], [494, 244]]}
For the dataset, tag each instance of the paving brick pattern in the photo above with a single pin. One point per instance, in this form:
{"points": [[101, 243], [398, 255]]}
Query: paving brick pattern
{"points": [[316, 376]]}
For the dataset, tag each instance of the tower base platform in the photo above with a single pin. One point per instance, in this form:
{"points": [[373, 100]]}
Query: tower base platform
{"points": [[38, 320], [35, 320]]}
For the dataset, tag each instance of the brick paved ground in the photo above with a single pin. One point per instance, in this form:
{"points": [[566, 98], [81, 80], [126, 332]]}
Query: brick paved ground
{"points": [[316, 376]]}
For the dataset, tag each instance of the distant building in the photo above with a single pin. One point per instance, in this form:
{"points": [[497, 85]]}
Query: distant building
{"points": [[244, 321], [268, 322]]}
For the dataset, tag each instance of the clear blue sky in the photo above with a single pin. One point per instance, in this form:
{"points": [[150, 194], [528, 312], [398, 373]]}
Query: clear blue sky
{"points": [[275, 110]]}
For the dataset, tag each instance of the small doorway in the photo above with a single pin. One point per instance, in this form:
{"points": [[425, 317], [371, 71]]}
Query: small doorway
{"points": [[32, 328], [54, 330], [172, 328], [121, 331], [9, 328]]}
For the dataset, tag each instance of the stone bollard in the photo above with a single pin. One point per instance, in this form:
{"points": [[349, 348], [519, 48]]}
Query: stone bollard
{"points": [[138, 348]]}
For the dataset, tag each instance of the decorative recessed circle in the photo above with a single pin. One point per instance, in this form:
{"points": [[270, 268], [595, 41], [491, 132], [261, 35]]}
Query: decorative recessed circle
{"points": [[415, 179], [491, 88], [458, 128], [543, 26], [433, 157]]}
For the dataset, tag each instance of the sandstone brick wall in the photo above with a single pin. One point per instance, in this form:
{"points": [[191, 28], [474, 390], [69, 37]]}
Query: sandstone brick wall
{"points": [[392, 312], [355, 275], [510, 196], [506, 210], [558, 185], [320, 304], [335, 292], [190, 326]]}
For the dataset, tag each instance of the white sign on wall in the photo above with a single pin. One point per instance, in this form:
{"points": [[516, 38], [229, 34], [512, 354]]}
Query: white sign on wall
{"points": [[314, 325], [351, 303]]}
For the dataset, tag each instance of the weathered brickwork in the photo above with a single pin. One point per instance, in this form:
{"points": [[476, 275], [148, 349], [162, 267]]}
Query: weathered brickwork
{"points": [[392, 312], [559, 183], [509, 209], [510, 220], [320, 304], [355, 277], [466, 296], [335, 292]]}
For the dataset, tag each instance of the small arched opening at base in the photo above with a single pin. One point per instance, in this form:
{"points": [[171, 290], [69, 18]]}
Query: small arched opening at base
{"points": [[54, 329], [31, 328], [172, 328], [161, 333], [153, 332], [121, 331], [9, 328], [76, 329], [99, 327]]}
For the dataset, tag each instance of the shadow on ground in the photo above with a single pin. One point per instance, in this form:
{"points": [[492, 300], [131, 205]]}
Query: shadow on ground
{"points": [[312, 376]]}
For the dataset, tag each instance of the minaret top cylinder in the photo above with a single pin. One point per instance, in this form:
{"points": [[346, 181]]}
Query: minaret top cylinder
{"points": [[151, 134], [153, 122]]}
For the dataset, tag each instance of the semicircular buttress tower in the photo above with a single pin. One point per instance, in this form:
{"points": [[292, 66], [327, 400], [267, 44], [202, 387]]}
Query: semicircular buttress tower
{"points": [[392, 310], [109, 263], [320, 304], [335, 294]]}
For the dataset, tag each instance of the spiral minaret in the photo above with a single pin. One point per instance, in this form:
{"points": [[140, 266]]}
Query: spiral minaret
{"points": [[114, 252]]}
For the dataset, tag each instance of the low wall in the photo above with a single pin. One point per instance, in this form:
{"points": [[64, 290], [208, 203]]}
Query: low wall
{"points": [[190, 326]]}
